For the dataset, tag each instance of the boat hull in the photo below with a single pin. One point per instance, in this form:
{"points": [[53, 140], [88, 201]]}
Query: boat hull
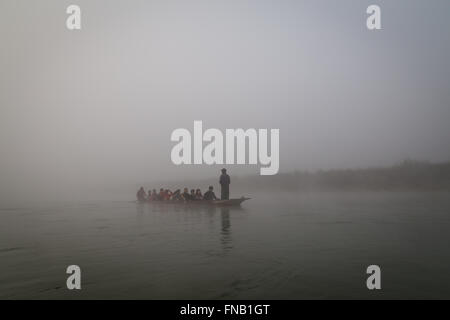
{"points": [[217, 203]]}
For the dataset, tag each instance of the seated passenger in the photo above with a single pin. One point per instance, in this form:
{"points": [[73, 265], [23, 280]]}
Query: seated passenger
{"points": [[193, 194], [167, 195], [209, 195], [161, 194], [187, 195], [154, 195], [141, 195], [149, 197], [198, 194], [177, 195]]}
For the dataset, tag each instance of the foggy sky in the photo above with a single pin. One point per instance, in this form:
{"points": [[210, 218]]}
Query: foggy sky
{"points": [[94, 109]]}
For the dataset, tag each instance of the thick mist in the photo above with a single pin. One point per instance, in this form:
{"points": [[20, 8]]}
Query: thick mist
{"points": [[88, 114]]}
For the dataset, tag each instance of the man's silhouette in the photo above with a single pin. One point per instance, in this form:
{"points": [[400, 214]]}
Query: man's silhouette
{"points": [[225, 185]]}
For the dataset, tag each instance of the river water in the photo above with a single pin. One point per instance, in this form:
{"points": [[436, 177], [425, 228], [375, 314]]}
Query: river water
{"points": [[277, 246]]}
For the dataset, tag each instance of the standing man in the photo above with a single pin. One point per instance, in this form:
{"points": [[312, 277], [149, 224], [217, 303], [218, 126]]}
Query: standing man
{"points": [[225, 185]]}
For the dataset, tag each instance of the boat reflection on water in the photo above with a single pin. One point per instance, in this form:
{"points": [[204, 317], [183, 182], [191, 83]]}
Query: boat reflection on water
{"points": [[191, 215], [226, 229]]}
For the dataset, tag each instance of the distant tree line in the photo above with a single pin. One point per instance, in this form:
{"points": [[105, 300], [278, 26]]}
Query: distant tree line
{"points": [[408, 175]]}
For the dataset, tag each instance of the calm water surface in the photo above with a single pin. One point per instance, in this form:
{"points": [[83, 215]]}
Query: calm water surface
{"points": [[281, 246]]}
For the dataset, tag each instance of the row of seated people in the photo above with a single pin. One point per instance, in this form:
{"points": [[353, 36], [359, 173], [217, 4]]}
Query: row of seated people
{"points": [[166, 195]]}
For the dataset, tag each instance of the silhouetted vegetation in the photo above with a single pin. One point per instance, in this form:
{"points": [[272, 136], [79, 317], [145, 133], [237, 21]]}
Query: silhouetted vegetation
{"points": [[409, 175]]}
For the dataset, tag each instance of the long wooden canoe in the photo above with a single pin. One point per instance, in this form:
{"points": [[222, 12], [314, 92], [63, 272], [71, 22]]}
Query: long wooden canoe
{"points": [[219, 203]]}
